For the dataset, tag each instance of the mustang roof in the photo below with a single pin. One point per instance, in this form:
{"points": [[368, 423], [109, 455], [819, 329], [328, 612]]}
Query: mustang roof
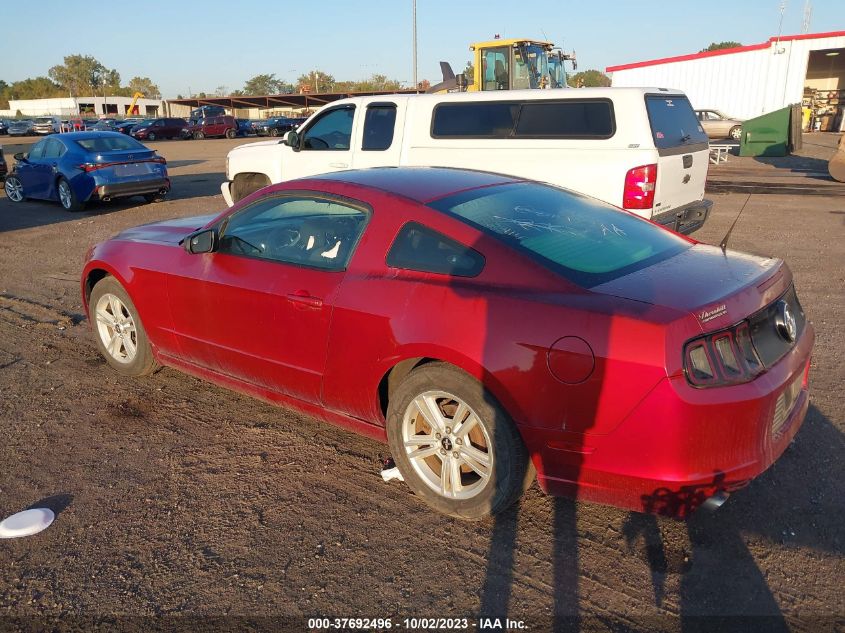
{"points": [[422, 184]]}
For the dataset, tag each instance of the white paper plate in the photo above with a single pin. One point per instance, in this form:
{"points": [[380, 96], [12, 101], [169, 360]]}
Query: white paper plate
{"points": [[26, 523]]}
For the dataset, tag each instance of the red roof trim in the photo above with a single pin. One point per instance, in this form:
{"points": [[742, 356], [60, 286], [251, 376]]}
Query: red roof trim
{"points": [[724, 51]]}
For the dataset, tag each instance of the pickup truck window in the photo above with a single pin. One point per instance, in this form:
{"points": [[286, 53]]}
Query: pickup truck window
{"points": [[562, 118], [331, 131], [378, 127]]}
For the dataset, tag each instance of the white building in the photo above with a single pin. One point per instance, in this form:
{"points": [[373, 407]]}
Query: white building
{"points": [[751, 80], [85, 106]]}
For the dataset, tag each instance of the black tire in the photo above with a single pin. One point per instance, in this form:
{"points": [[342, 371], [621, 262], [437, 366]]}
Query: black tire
{"points": [[144, 361], [151, 136], [511, 472], [154, 197], [14, 188], [68, 200], [247, 184], [735, 132], [198, 136], [274, 132], [230, 133]]}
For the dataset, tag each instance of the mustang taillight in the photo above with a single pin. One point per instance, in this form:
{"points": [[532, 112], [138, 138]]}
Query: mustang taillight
{"points": [[640, 183], [726, 357]]}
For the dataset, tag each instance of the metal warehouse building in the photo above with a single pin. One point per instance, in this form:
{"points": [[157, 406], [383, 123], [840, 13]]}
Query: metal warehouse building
{"points": [[751, 80]]}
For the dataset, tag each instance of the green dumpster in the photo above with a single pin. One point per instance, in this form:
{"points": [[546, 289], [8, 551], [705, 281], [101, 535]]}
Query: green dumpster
{"points": [[766, 135]]}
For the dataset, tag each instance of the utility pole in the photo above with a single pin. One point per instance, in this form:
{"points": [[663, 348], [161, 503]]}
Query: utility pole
{"points": [[415, 44]]}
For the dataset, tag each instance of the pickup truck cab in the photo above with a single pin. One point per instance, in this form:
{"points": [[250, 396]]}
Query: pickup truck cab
{"points": [[641, 149]]}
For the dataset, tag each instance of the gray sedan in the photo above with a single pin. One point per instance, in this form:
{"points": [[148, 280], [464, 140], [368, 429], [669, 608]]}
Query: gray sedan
{"points": [[717, 124]]}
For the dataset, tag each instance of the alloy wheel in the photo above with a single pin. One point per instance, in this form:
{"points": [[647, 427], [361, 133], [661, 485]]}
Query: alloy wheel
{"points": [[116, 328], [448, 445], [65, 195], [14, 189]]}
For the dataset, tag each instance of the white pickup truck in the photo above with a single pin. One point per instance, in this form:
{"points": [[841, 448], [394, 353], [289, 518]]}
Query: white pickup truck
{"points": [[641, 149]]}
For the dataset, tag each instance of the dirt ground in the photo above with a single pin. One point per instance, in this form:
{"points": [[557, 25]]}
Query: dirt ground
{"points": [[185, 501]]}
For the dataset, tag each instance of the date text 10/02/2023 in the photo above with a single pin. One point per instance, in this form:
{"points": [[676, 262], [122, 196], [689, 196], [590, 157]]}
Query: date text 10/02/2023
{"points": [[445, 624]]}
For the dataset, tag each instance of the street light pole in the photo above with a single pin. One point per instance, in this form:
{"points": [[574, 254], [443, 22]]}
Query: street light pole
{"points": [[415, 44]]}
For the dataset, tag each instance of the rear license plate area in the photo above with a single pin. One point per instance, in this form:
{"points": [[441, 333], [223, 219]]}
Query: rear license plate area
{"points": [[135, 169]]}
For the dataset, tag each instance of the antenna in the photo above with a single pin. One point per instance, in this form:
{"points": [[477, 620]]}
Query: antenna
{"points": [[778, 50], [724, 243], [808, 16]]}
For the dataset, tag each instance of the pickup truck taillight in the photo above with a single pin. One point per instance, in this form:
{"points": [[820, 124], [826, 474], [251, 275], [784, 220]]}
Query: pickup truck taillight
{"points": [[726, 357], [640, 183]]}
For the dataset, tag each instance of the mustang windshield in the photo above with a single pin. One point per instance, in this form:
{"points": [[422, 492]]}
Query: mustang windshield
{"points": [[585, 240]]}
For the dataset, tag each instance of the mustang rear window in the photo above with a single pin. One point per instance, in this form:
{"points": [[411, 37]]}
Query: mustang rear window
{"points": [[585, 240], [108, 143]]}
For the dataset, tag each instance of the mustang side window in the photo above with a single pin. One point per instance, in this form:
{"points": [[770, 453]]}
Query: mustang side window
{"points": [[315, 232], [332, 131], [420, 248]]}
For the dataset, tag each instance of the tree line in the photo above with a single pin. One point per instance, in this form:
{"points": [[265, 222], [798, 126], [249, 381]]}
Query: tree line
{"points": [[77, 76]]}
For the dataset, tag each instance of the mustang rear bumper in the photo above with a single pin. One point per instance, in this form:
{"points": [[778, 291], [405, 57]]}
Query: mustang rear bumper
{"points": [[681, 445], [686, 219]]}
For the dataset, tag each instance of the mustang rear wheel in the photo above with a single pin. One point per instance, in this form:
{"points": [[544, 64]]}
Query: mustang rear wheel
{"points": [[120, 335], [14, 189], [454, 444]]}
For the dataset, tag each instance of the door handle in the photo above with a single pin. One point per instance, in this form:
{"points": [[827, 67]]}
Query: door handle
{"points": [[302, 297], [339, 165]]}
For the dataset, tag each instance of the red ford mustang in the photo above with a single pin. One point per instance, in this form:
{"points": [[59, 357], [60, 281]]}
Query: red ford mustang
{"points": [[487, 327]]}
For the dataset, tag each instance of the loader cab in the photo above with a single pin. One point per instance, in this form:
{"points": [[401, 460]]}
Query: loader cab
{"points": [[511, 65]]}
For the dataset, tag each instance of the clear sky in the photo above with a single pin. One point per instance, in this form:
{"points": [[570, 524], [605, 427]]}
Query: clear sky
{"points": [[199, 46]]}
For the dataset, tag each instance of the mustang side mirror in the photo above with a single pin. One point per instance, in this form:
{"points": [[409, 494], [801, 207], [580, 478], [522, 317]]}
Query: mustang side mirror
{"points": [[204, 241], [292, 140]]}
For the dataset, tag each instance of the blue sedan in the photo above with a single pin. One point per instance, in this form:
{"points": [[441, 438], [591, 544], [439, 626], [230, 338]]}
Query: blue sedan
{"points": [[78, 167]]}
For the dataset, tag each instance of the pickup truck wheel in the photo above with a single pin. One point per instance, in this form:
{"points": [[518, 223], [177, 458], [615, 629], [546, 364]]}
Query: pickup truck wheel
{"points": [[230, 133], [274, 132], [198, 136], [246, 184]]}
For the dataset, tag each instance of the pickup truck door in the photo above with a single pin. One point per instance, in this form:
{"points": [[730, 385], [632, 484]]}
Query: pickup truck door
{"points": [[325, 145], [378, 140]]}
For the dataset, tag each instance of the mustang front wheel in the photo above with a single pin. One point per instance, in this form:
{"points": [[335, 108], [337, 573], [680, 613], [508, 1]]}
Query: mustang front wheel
{"points": [[121, 337], [455, 445]]}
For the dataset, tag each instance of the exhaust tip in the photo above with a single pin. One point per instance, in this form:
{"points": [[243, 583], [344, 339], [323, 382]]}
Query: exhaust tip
{"points": [[106, 199], [715, 502]]}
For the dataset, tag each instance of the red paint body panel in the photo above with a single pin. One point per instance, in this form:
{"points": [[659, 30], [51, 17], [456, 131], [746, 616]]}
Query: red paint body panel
{"points": [[633, 433]]}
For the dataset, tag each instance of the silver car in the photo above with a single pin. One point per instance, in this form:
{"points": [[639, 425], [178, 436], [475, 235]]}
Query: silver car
{"points": [[20, 128], [717, 124], [47, 125]]}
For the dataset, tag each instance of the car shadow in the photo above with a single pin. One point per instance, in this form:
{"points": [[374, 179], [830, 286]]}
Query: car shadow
{"points": [[34, 213], [722, 587]]}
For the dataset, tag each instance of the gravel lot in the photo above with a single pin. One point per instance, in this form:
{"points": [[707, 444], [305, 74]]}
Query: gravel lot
{"points": [[178, 498]]}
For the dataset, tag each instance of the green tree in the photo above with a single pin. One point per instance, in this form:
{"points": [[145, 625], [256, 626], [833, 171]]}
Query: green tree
{"points": [[145, 86], [589, 79], [315, 81], [263, 85], [81, 74], [717, 46]]}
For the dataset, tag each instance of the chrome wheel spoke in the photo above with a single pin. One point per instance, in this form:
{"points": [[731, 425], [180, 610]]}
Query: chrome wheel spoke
{"points": [[445, 469], [455, 476], [129, 346], [466, 426], [114, 345], [423, 452], [427, 406], [477, 460]]}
